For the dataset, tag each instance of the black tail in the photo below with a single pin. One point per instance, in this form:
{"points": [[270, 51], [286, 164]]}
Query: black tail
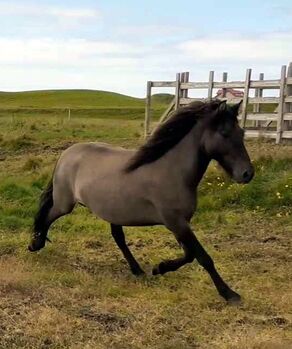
{"points": [[41, 223], [46, 203]]}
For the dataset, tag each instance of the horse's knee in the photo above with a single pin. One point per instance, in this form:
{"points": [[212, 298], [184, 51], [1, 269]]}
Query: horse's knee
{"points": [[189, 257]]}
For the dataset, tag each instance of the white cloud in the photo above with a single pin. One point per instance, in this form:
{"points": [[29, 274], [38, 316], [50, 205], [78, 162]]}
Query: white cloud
{"points": [[76, 52], [265, 48], [126, 66]]}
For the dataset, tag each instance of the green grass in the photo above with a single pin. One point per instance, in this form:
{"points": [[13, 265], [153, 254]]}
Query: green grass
{"points": [[78, 291]]}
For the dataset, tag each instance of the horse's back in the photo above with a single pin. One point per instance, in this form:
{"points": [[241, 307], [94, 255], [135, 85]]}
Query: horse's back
{"points": [[96, 148], [91, 154]]}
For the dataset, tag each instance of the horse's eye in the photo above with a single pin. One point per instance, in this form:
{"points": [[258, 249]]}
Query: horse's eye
{"points": [[225, 133]]}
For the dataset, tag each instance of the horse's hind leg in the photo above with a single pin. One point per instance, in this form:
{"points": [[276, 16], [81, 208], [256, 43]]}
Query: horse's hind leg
{"points": [[119, 237], [57, 212], [54, 204]]}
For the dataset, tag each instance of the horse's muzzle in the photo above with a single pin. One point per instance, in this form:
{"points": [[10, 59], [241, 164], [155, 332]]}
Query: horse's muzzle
{"points": [[244, 176]]}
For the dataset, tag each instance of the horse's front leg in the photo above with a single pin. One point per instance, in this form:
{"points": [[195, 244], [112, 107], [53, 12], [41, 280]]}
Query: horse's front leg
{"points": [[119, 237], [193, 249]]}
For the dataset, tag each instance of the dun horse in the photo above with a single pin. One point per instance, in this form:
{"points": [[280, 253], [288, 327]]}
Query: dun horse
{"points": [[154, 185]]}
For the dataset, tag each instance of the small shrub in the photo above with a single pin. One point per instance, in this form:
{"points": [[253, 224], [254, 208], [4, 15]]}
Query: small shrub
{"points": [[32, 164], [11, 223], [18, 143], [12, 192], [33, 127]]}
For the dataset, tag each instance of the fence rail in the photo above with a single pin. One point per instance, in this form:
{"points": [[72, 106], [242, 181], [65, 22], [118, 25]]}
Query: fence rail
{"points": [[276, 124], [266, 84]]}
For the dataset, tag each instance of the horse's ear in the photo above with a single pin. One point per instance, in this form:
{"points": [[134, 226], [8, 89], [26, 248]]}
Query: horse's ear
{"points": [[235, 108], [222, 106], [219, 105]]}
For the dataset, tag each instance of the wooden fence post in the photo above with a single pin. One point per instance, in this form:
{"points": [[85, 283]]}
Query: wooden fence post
{"points": [[184, 78], [210, 86], [288, 106], [245, 98], [224, 79], [148, 110], [187, 79], [257, 107], [280, 123], [177, 91]]}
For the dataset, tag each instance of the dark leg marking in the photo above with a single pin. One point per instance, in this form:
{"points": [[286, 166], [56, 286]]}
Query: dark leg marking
{"points": [[119, 237], [39, 238], [193, 249]]}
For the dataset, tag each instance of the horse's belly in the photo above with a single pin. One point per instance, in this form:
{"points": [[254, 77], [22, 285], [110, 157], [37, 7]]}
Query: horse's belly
{"points": [[118, 202], [130, 212]]}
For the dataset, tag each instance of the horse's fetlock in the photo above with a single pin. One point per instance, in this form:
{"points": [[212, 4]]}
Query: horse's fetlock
{"points": [[207, 263]]}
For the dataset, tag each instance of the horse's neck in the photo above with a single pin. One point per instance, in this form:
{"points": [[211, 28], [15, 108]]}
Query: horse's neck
{"points": [[188, 159]]}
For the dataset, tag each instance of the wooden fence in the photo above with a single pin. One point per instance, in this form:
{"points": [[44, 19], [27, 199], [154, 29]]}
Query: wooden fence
{"points": [[276, 124]]}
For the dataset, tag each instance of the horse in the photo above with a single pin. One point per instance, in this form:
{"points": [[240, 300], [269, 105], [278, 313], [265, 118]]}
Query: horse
{"points": [[154, 185]]}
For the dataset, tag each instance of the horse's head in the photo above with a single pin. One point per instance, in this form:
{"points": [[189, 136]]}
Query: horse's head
{"points": [[223, 141]]}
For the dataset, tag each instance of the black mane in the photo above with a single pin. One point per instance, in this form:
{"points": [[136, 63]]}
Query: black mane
{"points": [[170, 133]]}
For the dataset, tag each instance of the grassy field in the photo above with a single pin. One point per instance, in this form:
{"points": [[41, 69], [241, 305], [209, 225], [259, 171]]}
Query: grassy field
{"points": [[78, 292]]}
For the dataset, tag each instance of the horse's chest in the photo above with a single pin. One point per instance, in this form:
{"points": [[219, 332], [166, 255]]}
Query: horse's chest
{"points": [[188, 206], [182, 201]]}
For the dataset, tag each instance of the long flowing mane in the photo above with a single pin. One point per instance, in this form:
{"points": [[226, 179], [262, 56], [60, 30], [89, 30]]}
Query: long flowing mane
{"points": [[170, 133]]}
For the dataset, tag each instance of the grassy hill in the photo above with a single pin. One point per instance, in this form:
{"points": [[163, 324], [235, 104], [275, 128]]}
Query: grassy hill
{"points": [[83, 103], [67, 99], [162, 98], [75, 99]]}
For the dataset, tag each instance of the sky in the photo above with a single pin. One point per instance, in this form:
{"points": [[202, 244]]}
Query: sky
{"points": [[117, 45]]}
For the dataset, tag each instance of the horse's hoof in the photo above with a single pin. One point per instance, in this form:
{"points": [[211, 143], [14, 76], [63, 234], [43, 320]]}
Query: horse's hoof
{"points": [[155, 270], [159, 269], [36, 245], [30, 248], [233, 298], [138, 272]]}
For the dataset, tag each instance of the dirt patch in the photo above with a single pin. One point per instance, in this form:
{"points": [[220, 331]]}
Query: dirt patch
{"points": [[94, 245], [270, 239], [7, 251], [108, 321]]}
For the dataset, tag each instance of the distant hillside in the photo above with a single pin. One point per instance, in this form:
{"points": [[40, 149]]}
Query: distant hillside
{"points": [[83, 103], [75, 99], [67, 99], [162, 98]]}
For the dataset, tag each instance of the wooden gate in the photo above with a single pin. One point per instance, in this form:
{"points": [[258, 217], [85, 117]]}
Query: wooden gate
{"points": [[269, 117]]}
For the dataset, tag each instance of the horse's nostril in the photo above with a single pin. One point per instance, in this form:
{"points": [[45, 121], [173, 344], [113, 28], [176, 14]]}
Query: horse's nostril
{"points": [[246, 174]]}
